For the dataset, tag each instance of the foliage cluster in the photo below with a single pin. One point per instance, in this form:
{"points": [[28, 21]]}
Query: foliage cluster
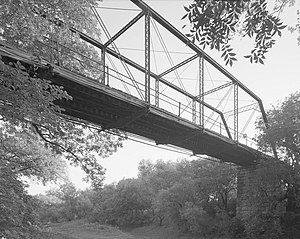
{"points": [[194, 196], [214, 24], [199, 196], [34, 137], [275, 194], [17, 209], [64, 204]]}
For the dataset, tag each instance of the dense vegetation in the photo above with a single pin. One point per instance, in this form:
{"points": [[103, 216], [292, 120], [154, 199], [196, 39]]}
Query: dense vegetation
{"points": [[194, 196], [199, 196], [35, 140]]}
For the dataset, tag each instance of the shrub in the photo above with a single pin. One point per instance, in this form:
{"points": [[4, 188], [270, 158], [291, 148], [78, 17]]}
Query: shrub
{"points": [[236, 228], [202, 223], [264, 226], [290, 223]]}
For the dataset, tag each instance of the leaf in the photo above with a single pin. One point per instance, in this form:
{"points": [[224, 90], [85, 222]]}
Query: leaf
{"points": [[184, 16], [282, 27], [223, 54], [279, 33], [186, 8]]}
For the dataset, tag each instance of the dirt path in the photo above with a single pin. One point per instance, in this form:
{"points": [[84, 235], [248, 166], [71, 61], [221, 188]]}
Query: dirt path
{"points": [[83, 230]]}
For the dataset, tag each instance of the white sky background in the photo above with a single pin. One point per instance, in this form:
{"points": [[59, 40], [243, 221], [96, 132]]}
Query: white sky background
{"points": [[272, 82]]}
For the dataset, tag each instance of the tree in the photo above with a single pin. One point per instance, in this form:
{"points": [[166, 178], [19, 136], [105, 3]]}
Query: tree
{"points": [[218, 181], [278, 180], [28, 102], [284, 131], [34, 135], [191, 195], [17, 209], [214, 24], [23, 153], [64, 203]]}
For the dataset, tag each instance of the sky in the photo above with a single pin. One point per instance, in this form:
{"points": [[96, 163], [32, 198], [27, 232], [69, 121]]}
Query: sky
{"points": [[272, 82]]}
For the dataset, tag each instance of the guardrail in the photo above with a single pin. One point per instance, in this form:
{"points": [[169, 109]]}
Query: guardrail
{"points": [[162, 95]]}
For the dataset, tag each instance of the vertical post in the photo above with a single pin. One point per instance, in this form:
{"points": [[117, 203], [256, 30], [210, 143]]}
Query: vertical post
{"points": [[194, 111], [179, 109], [107, 75], [235, 112], [102, 78], [157, 92], [147, 57], [201, 90]]}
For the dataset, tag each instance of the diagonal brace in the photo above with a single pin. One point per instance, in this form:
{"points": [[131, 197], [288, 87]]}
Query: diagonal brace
{"points": [[217, 88], [178, 65], [124, 29]]}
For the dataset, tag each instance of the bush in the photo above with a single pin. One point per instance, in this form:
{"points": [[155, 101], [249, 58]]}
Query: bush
{"points": [[236, 228], [264, 226], [202, 223], [290, 223]]}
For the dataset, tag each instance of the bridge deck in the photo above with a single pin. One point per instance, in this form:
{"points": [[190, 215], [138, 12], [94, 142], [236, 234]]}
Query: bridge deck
{"points": [[112, 108]]}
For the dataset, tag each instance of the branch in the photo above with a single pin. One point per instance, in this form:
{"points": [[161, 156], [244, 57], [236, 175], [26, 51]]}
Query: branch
{"points": [[280, 8], [54, 143]]}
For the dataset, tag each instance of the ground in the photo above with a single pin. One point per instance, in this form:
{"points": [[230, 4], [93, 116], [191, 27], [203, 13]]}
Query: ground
{"points": [[83, 230]]}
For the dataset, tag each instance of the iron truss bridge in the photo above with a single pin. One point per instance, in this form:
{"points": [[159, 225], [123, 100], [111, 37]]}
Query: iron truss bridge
{"points": [[160, 85]]}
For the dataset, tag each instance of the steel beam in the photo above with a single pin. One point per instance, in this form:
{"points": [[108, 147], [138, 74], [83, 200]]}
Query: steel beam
{"points": [[142, 69], [226, 126], [236, 112], [201, 90], [147, 57], [178, 65], [170, 139], [103, 65], [144, 7], [156, 92], [194, 112], [124, 29], [124, 121], [242, 109], [216, 89]]}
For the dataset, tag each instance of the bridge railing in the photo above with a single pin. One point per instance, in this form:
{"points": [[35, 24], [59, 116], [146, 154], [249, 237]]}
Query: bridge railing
{"points": [[71, 59], [162, 95]]}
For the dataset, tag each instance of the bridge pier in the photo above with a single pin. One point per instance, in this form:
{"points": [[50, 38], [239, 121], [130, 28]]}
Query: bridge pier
{"points": [[245, 180], [257, 190]]}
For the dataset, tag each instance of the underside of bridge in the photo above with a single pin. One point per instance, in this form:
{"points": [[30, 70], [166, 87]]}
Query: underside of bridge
{"points": [[112, 108]]}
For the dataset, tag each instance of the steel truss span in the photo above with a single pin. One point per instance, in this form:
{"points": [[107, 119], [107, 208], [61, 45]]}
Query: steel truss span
{"points": [[122, 93]]}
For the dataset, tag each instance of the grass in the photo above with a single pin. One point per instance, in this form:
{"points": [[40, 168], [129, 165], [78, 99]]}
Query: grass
{"points": [[82, 230]]}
